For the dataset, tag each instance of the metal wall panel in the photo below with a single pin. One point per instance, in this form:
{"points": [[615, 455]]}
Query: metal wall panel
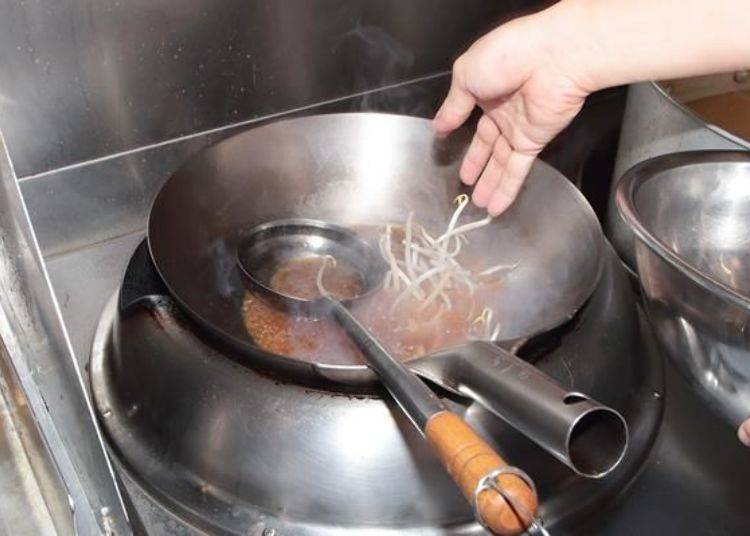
{"points": [[81, 205], [82, 79], [38, 350]]}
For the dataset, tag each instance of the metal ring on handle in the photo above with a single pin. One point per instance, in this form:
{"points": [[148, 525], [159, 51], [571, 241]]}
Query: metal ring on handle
{"points": [[489, 482]]}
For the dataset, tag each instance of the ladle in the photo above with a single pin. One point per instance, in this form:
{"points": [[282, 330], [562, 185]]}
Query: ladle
{"points": [[504, 497]]}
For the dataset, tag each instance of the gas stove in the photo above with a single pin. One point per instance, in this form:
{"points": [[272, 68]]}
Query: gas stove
{"points": [[222, 447], [670, 487]]}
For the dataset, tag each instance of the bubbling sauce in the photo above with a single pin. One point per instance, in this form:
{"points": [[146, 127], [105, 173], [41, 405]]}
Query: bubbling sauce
{"points": [[408, 328]]}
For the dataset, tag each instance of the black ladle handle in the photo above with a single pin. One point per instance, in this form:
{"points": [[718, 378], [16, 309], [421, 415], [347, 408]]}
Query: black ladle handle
{"points": [[417, 400]]}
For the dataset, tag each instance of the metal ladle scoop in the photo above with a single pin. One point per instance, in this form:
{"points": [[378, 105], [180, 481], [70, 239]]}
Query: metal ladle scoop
{"points": [[504, 497]]}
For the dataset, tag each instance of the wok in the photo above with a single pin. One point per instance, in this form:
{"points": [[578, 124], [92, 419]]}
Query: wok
{"points": [[355, 169]]}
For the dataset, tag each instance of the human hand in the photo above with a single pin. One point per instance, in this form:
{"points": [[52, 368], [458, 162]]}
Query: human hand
{"points": [[531, 75], [744, 433], [528, 95]]}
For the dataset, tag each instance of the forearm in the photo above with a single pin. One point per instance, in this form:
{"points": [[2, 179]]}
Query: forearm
{"points": [[613, 42]]}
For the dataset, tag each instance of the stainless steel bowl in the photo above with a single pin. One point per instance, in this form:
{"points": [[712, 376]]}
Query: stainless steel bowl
{"points": [[691, 215], [658, 120]]}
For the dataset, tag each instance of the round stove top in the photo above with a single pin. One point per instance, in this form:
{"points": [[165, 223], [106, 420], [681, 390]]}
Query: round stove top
{"points": [[229, 448]]}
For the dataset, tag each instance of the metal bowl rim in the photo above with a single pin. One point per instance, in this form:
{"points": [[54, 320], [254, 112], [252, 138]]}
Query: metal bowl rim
{"points": [[651, 168], [659, 86]]}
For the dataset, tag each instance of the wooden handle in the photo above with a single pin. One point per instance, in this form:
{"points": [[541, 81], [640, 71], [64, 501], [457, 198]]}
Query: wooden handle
{"points": [[468, 459]]}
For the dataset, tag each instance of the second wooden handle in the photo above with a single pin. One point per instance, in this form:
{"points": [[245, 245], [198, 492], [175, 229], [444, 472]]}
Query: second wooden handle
{"points": [[468, 459]]}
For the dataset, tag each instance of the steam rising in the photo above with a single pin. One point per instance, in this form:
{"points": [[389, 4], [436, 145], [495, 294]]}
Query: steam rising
{"points": [[376, 59], [226, 280]]}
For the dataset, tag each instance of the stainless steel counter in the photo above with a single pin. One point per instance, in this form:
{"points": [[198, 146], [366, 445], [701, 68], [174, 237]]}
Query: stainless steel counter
{"points": [[54, 458], [23, 509], [696, 481]]}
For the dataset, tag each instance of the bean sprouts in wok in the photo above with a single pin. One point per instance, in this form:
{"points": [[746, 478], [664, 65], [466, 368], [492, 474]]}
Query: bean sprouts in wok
{"points": [[436, 293], [430, 267]]}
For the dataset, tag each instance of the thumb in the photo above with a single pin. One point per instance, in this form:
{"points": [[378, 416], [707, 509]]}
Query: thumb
{"points": [[457, 105]]}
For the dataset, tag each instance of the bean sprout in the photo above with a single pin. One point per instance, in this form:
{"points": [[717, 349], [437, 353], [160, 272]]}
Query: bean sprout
{"points": [[319, 279], [498, 268], [387, 250], [429, 268], [484, 320]]}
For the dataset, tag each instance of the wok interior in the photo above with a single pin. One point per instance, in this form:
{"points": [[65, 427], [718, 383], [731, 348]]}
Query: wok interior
{"points": [[364, 170], [700, 213]]}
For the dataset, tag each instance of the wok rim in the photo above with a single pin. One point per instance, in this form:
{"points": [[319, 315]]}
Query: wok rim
{"points": [[647, 170]]}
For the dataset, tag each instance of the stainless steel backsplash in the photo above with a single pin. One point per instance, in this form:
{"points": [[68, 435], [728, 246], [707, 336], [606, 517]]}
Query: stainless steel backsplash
{"points": [[83, 79]]}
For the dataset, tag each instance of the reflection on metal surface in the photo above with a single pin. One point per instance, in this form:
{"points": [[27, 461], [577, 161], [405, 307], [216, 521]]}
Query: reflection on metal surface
{"points": [[38, 348], [86, 79], [585, 435], [657, 122], [33, 499], [84, 204], [690, 212], [244, 437]]}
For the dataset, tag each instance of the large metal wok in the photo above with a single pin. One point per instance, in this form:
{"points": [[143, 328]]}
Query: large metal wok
{"points": [[352, 169]]}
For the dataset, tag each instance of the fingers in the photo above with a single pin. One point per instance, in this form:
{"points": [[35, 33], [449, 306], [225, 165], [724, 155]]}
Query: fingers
{"points": [[457, 105], [498, 170], [479, 151], [492, 173], [744, 433], [514, 174]]}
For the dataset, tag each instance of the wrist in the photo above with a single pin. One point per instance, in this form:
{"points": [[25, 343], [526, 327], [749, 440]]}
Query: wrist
{"points": [[572, 42]]}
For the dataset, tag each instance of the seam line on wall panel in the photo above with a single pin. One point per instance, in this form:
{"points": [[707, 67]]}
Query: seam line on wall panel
{"points": [[53, 254], [233, 125]]}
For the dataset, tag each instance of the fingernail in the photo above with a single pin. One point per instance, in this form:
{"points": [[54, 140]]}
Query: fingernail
{"points": [[495, 209], [744, 433], [478, 199], [499, 204]]}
